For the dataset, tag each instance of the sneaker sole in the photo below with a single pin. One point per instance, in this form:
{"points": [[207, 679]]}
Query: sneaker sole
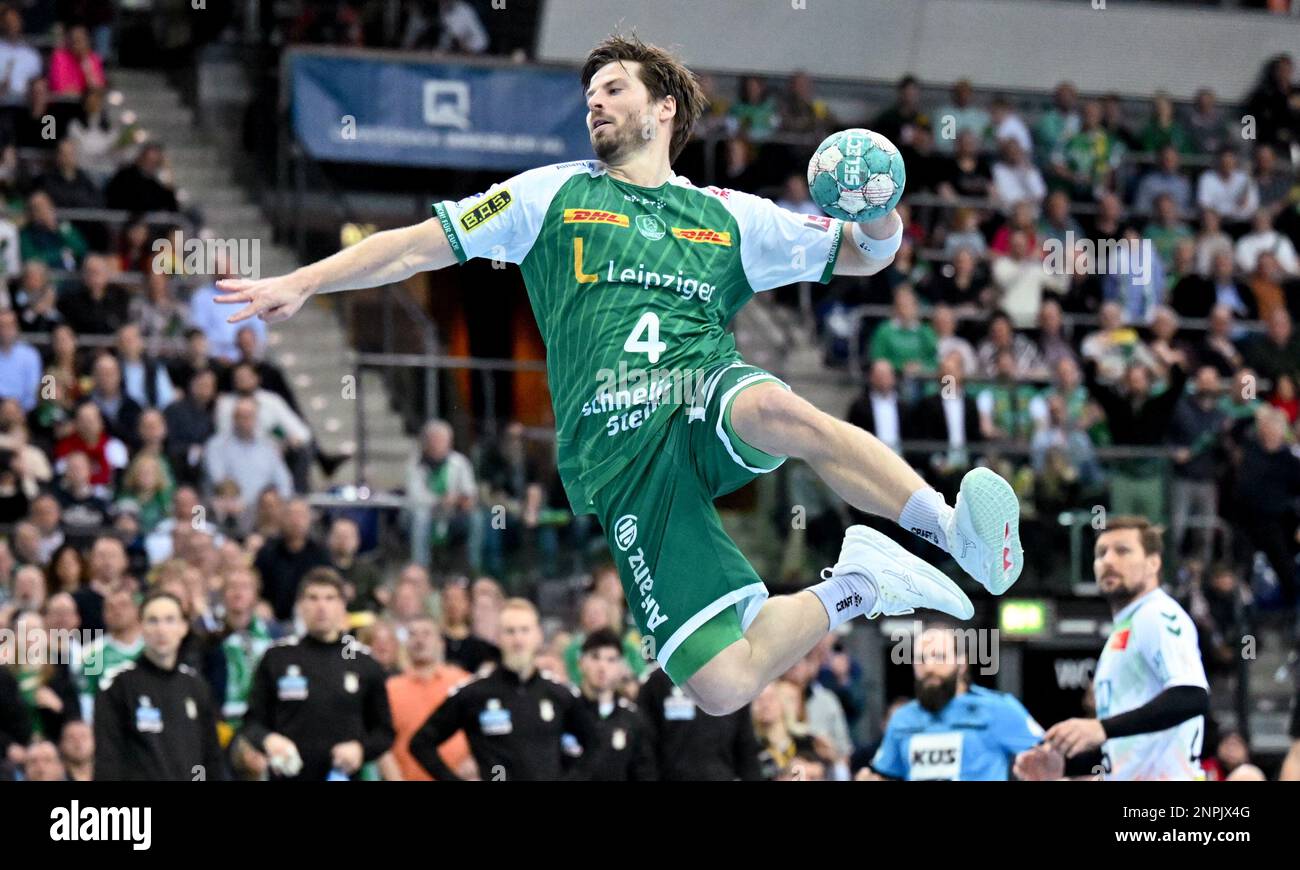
{"points": [[892, 551], [994, 512]]}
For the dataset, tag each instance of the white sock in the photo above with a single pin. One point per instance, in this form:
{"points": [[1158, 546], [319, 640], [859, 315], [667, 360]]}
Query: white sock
{"points": [[845, 597], [925, 515]]}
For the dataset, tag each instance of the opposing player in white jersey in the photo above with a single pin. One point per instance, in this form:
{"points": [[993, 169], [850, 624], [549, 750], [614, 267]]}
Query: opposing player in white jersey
{"points": [[1150, 685]]}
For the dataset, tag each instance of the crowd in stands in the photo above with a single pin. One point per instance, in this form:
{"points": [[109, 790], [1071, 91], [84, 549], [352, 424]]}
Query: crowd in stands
{"points": [[1073, 278], [466, 27]]}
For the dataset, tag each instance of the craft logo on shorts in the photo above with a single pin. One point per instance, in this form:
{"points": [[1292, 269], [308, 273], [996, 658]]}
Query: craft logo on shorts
{"points": [[704, 236], [594, 216], [625, 531], [490, 207]]}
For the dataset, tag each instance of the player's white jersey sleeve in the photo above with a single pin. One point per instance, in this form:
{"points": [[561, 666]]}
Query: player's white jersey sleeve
{"points": [[778, 246], [1166, 638], [503, 222]]}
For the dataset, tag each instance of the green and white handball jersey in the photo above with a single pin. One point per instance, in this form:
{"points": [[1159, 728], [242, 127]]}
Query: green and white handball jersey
{"points": [[1152, 647], [632, 288]]}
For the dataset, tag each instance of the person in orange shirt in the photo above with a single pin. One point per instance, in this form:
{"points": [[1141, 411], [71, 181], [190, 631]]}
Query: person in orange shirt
{"points": [[414, 695]]}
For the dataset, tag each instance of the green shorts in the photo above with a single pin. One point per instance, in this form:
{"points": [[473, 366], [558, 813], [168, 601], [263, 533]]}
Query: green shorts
{"points": [[689, 588]]}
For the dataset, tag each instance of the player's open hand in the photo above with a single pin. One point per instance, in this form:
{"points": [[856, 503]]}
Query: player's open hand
{"points": [[272, 299], [1039, 764], [1074, 736]]}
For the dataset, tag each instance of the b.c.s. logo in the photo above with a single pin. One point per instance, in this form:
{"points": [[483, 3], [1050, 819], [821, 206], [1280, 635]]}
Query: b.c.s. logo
{"points": [[485, 210]]}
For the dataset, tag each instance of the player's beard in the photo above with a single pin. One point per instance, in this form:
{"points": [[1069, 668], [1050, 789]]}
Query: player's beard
{"points": [[517, 662], [934, 696], [1119, 595], [618, 147]]}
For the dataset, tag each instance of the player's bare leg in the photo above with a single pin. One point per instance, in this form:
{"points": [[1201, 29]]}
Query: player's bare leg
{"points": [[981, 532], [874, 575], [853, 462]]}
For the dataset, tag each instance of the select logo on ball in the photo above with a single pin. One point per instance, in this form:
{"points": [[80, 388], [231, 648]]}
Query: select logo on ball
{"points": [[856, 175]]}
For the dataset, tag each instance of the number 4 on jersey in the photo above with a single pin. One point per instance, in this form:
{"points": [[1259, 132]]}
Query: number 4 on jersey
{"points": [[648, 326]]}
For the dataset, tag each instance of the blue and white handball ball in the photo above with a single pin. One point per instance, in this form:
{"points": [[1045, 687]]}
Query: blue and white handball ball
{"points": [[856, 175]]}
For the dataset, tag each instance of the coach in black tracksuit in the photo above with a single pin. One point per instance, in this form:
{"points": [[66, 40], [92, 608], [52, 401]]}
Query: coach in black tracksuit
{"points": [[691, 744], [623, 749], [154, 718], [515, 717], [321, 695]]}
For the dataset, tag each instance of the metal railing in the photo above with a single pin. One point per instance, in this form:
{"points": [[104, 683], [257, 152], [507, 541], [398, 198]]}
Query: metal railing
{"points": [[431, 365]]}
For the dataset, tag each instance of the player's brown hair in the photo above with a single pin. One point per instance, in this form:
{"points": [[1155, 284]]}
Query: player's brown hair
{"points": [[322, 576], [662, 74], [1151, 536]]}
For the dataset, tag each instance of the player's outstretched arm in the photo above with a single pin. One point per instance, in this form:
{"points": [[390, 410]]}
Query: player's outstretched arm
{"points": [[393, 255], [869, 247]]}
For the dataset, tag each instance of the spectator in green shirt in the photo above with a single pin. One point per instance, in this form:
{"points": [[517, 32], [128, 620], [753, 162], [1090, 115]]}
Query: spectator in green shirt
{"points": [[1164, 129], [596, 614], [1167, 230], [1084, 163], [1059, 123], [44, 237], [1004, 405], [903, 340], [755, 111]]}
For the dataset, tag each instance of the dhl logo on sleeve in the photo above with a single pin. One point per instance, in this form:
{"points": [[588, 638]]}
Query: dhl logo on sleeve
{"points": [[594, 216], [708, 237]]}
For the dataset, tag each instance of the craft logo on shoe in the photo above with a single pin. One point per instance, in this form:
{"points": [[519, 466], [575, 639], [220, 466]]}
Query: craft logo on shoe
{"points": [[1006, 548], [625, 531], [848, 601], [705, 236], [594, 216]]}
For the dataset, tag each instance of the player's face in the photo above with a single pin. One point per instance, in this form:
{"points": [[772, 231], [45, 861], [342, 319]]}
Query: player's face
{"points": [[601, 669], [322, 610], [240, 591], [424, 642], [1122, 568], [520, 637], [163, 626], [618, 112], [936, 658]]}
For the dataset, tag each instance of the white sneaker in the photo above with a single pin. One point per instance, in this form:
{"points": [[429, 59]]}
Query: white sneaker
{"points": [[984, 530], [903, 582]]}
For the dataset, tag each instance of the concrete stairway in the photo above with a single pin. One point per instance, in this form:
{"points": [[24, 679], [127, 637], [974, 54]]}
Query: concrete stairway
{"points": [[312, 347]]}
